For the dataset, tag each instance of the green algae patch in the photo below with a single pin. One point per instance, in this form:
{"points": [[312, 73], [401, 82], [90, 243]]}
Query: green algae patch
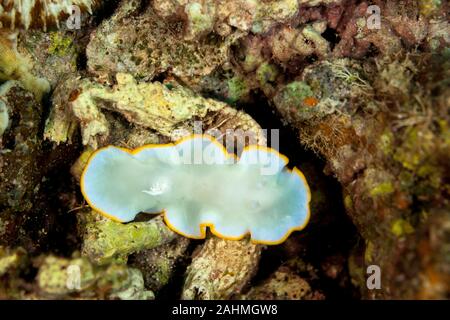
{"points": [[401, 227], [295, 92], [386, 143], [348, 202], [60, 45], [60, 277], [369, 252], [266, 73], [415, 149], [55, 275], [10, 259], [108, 241], [382, 189], [237, 88]]}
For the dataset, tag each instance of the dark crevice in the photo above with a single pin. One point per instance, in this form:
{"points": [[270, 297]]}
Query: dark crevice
{"points": [[46, 108], [82, 61], [106, 10], [330, 232], [9, 139], [173, 290], [50, 225], [332, 36], [160, 77]]}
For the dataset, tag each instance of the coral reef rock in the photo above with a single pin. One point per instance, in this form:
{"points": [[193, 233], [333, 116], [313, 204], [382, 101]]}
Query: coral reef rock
{"points": [[221, 269]]}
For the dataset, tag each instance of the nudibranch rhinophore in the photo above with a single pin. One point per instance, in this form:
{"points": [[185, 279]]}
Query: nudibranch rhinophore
{"points": [[196, 184]]}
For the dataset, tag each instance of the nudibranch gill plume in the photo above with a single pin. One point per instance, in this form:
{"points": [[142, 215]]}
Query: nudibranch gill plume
{"points": [[195, 183]]}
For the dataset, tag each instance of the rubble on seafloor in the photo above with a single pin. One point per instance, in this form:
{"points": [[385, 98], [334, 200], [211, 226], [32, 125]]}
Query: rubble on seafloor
{"points": [[364, 111]]}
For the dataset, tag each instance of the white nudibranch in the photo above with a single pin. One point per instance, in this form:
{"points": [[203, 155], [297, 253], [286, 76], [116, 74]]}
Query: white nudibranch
{"points": [[195, 183]]}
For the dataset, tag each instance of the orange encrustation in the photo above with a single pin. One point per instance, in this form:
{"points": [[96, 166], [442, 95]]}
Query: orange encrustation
{"points": [[311, 101]]}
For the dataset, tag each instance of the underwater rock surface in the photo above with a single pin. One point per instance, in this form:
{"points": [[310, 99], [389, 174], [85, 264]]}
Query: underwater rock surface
{"points": [[20, 175], [366, 112]]}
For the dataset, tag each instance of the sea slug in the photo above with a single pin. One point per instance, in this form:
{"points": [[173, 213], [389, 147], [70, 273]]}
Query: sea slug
{"points": [[196, 183]]}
